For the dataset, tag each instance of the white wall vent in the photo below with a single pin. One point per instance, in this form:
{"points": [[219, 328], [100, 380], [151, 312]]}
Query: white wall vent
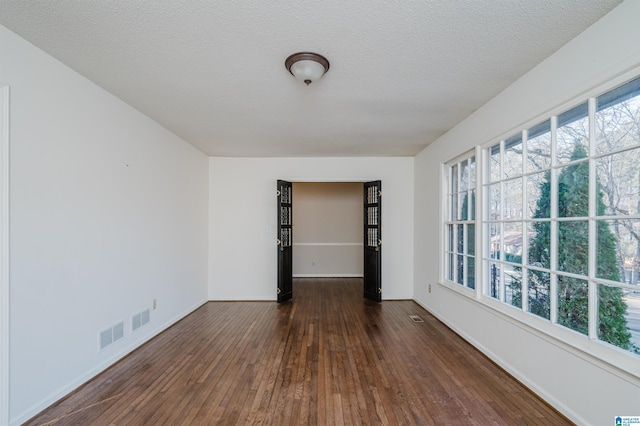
{"points": [[111, 334], [106, 338], [118, 331], [138, 320]]}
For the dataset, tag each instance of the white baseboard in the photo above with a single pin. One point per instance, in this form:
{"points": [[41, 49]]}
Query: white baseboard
{"points": [[65, 390], [533, 387]]}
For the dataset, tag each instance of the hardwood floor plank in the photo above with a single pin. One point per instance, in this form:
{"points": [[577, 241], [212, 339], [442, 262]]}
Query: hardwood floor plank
{"points": [[326, 358]]}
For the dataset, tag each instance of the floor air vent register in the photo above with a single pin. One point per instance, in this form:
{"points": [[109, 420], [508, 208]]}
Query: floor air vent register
{"points": [[416, 318]]}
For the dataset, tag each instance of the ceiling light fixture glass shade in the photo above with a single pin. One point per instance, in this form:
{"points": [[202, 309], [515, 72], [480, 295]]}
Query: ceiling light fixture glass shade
{"points": [[306, 66]]}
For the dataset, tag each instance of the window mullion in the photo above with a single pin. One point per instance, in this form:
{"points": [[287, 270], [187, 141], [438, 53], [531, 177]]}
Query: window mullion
{"points": [[454, 250], [447, 216], [592, 259], [465, 261], [553, 285], [501, 291], [468, 190], [524, 282], [478, 218], [458, 219]]}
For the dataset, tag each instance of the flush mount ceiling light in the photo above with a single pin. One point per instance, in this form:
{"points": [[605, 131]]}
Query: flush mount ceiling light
{"points": [[307, 66]]}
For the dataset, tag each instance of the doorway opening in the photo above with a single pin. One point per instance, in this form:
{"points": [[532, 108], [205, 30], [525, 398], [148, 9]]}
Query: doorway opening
{"points": [[329, 230], [328, 223]]}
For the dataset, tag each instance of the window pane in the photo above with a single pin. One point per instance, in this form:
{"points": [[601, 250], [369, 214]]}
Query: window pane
{"points": [[572, 134], [494, 163], [512, 241], [619, 317], [538, 196], [472, 172], [513, 285], [573, 304], [539, 301], [512, 164], [617, 250], [473, 204], [494, 202], [494, 280], [618, 118], [450, 237], [460, 238], [454, 179], [471, 239], [451, 266], [573, 190], [539, 147], [619, 182], [462, 202], [454, 206], [471, 271], [513, 199], [573, 246], [460, 267], [539, 237], [464, 176], [494, 235]]}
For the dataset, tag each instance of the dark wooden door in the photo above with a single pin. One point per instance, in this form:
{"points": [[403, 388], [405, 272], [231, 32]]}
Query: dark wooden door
{"points": [[373, 240], [285, 241]]}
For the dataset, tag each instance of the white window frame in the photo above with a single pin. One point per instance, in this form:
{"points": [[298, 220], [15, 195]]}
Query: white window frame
{"points": [[621, 361], [450, 221]]}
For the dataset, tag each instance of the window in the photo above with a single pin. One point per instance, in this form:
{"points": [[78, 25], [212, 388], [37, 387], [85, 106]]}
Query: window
{"points": [[460, 222], [562, 220], [560, 230], [504, 192], [616, 160]]}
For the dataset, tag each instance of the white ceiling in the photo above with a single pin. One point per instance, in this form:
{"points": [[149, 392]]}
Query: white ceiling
{"points": [[402, 72]]}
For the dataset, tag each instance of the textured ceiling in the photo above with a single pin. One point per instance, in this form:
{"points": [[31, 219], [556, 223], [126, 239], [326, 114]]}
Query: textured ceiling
{"points": [[402, 72]]}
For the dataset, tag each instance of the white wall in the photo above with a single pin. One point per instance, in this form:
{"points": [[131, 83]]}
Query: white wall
{"points": [[108, 211], [581, 386], [328, 229], [4, 254], [242, 243]]}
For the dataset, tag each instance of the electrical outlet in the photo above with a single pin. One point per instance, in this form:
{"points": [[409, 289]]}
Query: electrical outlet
{"points": [[154, 302], [429, 289]]}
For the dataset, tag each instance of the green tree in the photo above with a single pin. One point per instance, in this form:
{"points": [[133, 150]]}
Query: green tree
{"points": [[572, 256], [540, 254]]}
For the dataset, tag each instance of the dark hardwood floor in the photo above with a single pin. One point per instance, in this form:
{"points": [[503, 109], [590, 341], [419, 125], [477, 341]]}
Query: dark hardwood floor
{"points": [[329, 357]]}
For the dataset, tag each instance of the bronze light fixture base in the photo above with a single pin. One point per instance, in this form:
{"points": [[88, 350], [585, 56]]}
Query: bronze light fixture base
{"points": [[307, 66]]}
